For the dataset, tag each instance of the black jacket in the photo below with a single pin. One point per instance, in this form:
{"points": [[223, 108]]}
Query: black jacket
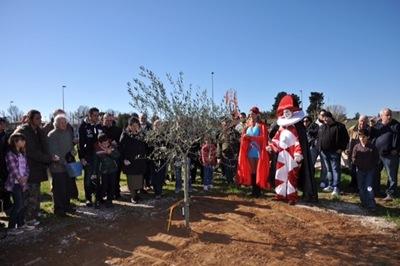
{"points": [[88, 134], [36, 152], [306, 181], [133, 149], [3, 151], [312, 134], [114, 133], [333, 137], [386, 138]]}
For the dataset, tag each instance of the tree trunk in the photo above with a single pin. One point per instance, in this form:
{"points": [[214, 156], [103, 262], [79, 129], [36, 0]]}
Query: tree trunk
{"points": [[186, 199]]}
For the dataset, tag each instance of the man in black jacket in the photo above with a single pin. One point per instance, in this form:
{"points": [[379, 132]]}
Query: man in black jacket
{"points": [[387, 141], [88, 133], [333, 138]]}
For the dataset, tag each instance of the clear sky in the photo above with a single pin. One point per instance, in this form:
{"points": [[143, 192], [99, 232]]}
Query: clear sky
{"points": [[348, 49]]}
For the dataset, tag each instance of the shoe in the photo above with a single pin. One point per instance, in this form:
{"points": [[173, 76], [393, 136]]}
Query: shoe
{"points": [[205, 188], [26, 227], [134, 201], [328, 189], [335, 194], [71, 210], [322, 185], [388, 198], [89, 203], [33, 222], [61, 214], [15, 231]]}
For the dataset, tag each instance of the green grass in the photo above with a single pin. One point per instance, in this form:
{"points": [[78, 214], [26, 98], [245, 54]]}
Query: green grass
{"points": [[390, 211]]}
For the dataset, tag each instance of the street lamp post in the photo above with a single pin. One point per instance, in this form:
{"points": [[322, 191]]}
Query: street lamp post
{"points": [[212, 86], [301, 98], [63, 87]]}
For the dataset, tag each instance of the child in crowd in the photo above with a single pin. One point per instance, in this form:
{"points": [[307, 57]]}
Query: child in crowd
{"points": [[209, 160], [365, 157], [17, 183], [105, 169]]}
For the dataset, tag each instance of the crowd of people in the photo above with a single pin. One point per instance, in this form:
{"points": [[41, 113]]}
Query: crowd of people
{"points": [[281, 156]]}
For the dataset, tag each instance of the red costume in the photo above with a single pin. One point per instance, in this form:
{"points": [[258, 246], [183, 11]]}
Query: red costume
{"points": [[286, 144], [244, 170]]}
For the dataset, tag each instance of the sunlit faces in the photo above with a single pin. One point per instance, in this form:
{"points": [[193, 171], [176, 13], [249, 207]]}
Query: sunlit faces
{"points": [[134, 128], [20, 144], [386, 116], [94, 117], [363, 139], [108, 120], [362, 121], [37, 120], [62, 124], [287, 113]]}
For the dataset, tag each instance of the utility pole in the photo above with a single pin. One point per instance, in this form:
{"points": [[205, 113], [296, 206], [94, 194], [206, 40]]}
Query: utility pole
{"points": [[63, 87], [301, 98], [212, 86]]}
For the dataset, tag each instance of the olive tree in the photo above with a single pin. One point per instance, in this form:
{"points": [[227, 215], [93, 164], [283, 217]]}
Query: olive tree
{"points": [[187, 116]]}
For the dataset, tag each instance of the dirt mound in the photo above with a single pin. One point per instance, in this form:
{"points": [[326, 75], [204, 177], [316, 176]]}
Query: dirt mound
{"points": [[225, 231]]}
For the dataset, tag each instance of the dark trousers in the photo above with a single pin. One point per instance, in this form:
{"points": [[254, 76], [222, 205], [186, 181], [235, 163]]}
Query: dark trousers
{"points": [[73, 188], [32, 201], [117, 187], [61, 192], [256, 191], [108, 186], [365, 187], [17, 214], [89, 185], [158, 179], [194, 165], [229, 166]]}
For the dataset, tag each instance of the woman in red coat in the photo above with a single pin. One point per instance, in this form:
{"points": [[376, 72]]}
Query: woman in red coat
{"points": [[253, 163]]}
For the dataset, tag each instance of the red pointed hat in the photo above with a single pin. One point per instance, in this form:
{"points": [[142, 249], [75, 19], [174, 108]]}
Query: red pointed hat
{"points": [[287, 102]]}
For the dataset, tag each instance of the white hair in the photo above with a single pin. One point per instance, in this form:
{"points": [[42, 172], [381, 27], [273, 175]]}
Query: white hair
{"points": [[58, 118], [384, 110]]}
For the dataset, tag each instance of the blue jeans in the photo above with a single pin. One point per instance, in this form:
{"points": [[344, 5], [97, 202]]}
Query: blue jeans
{"points": [[314, 152], [332, 164], [391, 164], [17, 214], [208, 175], [365, 181], [178, 179]]}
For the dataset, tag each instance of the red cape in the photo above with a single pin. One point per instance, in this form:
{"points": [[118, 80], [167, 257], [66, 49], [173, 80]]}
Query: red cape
{"points": [[244, 170]]}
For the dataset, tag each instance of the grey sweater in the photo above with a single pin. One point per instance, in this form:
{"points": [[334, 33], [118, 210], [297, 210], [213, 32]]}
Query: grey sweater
{"points": [[60, 143]]}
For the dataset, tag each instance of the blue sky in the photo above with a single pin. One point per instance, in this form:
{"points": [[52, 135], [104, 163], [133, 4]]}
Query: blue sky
{"points": [[348, 49]]}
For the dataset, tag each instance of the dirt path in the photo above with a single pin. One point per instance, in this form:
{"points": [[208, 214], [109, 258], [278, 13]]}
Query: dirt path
{"points": [[225, 231]]}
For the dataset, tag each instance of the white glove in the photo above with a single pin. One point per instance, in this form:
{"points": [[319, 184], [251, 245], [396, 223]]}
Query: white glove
{"points": [[127, 162], [298, 158]]}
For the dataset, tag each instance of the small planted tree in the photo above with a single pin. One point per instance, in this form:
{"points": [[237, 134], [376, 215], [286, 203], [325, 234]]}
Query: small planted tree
{"points": [[187, 114]]}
